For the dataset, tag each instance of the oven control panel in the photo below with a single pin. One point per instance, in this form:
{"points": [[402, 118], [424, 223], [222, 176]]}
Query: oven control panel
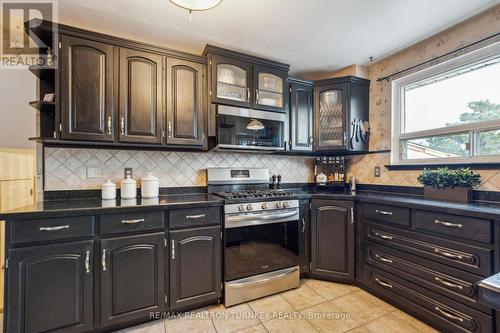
{"points": [[260, 206]]}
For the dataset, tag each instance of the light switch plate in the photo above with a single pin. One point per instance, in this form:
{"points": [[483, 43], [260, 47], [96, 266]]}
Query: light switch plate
{"points": [[376, 171], [93, 172]]}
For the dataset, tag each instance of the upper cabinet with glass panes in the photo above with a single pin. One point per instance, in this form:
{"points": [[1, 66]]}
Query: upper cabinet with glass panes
{"points": [[245, 81]]}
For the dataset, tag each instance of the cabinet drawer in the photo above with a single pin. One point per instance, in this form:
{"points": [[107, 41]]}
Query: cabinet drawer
{"points": [[179, 218], [51, 229], [126, 222], [454, 225], [444, 313], [388, 214], [449, 282], [469, 258]]}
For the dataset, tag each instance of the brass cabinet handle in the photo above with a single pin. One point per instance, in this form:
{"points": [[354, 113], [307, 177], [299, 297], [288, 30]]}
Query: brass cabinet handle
{"points": [[103, 260], [199, 216], [55, 228], [448, 254], [448, 315], [173, 248], [109, 125], [122, 126], [383, 284], [352, 215], [447, 283], [248, 94], [389, 261], [448, 224], [133, 221], [87, 263], [383, 212], [303, 225]]}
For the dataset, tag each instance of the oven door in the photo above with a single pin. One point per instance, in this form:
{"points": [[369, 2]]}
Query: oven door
{"points": [[246, 129], [255, 247]]}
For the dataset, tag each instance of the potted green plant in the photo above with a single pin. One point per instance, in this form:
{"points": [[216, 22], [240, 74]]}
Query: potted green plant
{"points": [[449, 185]]}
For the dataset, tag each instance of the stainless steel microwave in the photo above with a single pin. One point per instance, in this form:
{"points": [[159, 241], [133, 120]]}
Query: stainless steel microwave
{"points": [[247, 129]]}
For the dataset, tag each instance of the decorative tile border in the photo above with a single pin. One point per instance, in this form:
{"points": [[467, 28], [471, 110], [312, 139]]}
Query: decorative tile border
{"points": [[66, 168]]}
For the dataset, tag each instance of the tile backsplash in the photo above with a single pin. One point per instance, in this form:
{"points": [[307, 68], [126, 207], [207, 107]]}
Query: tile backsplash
{"points": [[78, 168]]}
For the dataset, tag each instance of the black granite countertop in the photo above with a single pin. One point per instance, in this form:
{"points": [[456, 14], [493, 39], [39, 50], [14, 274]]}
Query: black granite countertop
{"points": [[99, 206]]}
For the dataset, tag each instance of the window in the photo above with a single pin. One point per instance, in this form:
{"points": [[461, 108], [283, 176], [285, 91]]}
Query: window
{"points": [[449, 113]]}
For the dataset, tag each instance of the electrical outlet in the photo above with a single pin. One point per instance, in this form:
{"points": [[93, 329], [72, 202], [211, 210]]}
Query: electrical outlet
{"points": [[376, 171], [93, 172], [128, 172]]}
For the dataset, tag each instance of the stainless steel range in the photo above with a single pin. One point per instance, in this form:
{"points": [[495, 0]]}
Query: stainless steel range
{"points": [[261, 229]]}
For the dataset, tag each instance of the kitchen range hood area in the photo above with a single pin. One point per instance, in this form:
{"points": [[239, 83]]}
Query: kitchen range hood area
{"points": [[222, 190]]}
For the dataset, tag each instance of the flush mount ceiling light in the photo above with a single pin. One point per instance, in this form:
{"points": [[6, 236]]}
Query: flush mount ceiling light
{"points": [[196, 5], [255, 125]]}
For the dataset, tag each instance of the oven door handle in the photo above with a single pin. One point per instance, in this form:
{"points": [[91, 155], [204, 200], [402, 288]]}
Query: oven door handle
{"points": [[242, 221]]}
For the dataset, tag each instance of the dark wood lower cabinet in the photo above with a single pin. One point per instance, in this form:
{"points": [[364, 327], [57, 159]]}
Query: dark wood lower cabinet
{"points": [[332, 240], [195, 266], [50, 288], [132, 277], [304, 237]]}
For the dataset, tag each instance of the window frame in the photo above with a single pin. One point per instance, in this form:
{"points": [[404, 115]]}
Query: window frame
{"points": [[398, 111]]}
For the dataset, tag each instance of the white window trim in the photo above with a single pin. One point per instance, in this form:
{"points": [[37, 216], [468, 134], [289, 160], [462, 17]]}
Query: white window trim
{"points": [[484, 54]]}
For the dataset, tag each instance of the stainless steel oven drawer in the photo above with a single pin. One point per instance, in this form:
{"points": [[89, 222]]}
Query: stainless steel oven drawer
{"points": [[249, 288]]}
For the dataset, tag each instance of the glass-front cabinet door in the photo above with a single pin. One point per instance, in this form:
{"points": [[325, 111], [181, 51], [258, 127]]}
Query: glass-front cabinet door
{"points": [[231, 81], [269, 88], [330, 117]]}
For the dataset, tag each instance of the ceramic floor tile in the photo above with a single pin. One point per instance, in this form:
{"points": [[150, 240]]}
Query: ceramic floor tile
{"points": [[269, 307], [389, 324], [253, 329], [289, 325], [325, 317], [374, 300], [330, 290], [195, 321], [152, 327], [302, 297], [363, 309], [420, 326], [234, 318]]}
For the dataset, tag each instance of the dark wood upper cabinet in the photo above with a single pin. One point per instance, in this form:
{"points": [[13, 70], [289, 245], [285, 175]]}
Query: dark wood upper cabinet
{"points": [[195, 266], [269, 86], [231, 81], [332, 240], [132, 277], [301, 116], [185, 83], [141, 96], [50, 288], [86, 89], [341, 114], [241, 80]]}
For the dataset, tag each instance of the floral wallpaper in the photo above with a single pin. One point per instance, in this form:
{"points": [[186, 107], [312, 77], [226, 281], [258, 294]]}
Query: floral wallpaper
{"points": [[465, 33]]}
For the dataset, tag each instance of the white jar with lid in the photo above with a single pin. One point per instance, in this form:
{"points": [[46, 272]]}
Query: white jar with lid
{"points": [[150, 186], [108, 190], [128, 188]]}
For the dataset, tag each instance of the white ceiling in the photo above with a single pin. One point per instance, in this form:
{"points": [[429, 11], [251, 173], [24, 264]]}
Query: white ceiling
{"points": [[315, 37]]}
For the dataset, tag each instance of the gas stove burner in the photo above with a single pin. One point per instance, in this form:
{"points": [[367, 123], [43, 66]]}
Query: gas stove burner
{"points": [[254, 194]]}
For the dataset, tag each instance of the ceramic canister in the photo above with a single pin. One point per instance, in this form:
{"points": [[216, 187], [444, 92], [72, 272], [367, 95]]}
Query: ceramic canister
{"points": [[150, 186], [128, 188], [108, 190]]}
